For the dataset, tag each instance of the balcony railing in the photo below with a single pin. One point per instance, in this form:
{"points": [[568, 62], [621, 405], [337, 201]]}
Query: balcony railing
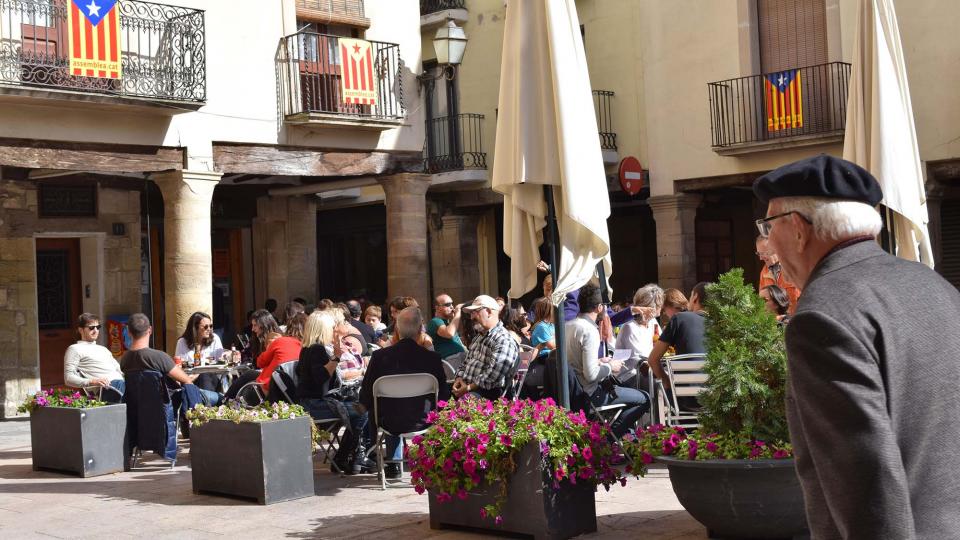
{"points": [[739, 108], [454, 143], [601, 104], [162, 54], [433, 6], [309, 77]]}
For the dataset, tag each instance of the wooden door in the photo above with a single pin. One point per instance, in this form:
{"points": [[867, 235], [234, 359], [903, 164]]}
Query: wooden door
{"points": [[58, 303]]}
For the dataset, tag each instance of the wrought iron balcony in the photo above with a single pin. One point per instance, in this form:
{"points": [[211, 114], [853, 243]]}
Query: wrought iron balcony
{"points": [[433, 6], [454, 143], [349, 12], [748, 111], [310, 71], [162, 53], [602, 106]]}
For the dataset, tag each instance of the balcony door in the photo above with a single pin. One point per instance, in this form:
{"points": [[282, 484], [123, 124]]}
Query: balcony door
{"points": [[444, 140], [793, 35], [320, 68]]}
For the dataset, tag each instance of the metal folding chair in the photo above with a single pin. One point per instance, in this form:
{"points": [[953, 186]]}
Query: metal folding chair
{"points": [[686, 376], [412, 385]]}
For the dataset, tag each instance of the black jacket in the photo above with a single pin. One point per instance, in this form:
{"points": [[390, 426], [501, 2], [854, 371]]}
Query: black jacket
{"points": [[403, 415], [313, 380]]}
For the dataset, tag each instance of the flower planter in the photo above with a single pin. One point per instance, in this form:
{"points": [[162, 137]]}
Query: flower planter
{"points": [[268, 461], [738, 498], [534, 507], [86, 442]]}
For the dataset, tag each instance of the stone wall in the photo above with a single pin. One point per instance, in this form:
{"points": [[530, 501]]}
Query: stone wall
{"points": [[454, 257], [285, 249], [19, 225]]}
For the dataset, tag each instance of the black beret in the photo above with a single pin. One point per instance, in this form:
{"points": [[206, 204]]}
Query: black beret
{"points": [[820, 176]]}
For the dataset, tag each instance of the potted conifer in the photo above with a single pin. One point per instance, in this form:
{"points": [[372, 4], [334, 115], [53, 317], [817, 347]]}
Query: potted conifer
{"points": [[736, 473]]}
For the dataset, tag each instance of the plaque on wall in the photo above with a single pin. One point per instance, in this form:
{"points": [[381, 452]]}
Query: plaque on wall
{"points": [[56, 200]]}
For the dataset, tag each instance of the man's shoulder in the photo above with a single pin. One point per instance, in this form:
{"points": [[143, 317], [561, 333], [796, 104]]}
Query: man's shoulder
{"points": [[435, 323]]}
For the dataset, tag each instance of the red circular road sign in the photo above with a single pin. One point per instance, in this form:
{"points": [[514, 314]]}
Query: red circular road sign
{"points": [[631, 175]]}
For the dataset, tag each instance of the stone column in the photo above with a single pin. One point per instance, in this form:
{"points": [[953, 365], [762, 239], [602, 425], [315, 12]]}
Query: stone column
{"points": [[407, 270], [676, 239], [454, 257], [188, 260]]}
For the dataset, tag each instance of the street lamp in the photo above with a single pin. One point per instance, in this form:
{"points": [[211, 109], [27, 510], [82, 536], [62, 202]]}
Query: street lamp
{"points": [[449, 43]]}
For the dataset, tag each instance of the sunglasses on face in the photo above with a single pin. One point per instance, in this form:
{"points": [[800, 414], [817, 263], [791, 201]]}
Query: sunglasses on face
{"points": [[93, 327], [204, 326], [447, 304]]}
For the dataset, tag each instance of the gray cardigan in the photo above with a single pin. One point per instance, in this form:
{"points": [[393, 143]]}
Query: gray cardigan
{"points": [[873, 397]]}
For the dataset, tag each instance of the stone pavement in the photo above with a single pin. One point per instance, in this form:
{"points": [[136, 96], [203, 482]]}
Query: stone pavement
{"points": [[156, 502]]}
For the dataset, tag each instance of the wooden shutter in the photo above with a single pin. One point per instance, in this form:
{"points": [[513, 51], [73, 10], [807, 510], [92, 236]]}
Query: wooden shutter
{"points": [[949, 264], [793, 33]]}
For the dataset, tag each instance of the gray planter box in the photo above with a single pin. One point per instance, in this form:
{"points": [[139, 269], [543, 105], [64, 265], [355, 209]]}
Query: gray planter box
{"points": [[533, 507], [86, 442], [741, 498], [267, 461]]}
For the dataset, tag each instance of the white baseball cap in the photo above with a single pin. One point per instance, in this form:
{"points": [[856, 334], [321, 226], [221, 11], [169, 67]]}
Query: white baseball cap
{"points": [[482, 301]]}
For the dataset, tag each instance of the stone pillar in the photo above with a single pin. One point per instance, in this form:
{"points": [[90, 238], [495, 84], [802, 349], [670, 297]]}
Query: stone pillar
{"points": [[455, 258], [188, 260], [407, 269], [676, 239]]}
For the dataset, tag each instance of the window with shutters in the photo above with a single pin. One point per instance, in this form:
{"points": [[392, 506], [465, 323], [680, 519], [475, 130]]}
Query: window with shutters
{"points": [[793, 34]]}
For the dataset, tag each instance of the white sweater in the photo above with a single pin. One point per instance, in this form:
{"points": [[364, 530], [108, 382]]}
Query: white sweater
{"points": [[85, 360]]}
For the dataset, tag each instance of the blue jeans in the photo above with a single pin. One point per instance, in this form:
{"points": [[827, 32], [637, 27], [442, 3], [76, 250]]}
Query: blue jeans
{"points": [[210, 398], [637, 403]]}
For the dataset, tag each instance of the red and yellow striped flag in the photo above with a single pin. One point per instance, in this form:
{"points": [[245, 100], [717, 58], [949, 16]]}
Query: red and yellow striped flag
{"points": [[94, 38], [784, 100], [357, 81]]}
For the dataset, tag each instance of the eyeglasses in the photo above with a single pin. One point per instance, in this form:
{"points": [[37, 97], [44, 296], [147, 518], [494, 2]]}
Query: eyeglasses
{"points": [[446, 304], [93, 327], [204, 326], [764, 225]]}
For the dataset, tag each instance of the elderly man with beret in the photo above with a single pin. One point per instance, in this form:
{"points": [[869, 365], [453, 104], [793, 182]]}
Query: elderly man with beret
{"points": [[873, 352]]}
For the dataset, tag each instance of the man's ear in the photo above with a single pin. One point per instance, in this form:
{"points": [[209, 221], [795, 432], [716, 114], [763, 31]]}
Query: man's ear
{"points": [[804, 232]]}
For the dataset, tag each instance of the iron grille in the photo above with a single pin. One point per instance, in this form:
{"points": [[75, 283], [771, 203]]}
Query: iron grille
{"points": [[433, 6], [454, 143], [309, 70], [163, 54], [738, 107], [602, 105]]}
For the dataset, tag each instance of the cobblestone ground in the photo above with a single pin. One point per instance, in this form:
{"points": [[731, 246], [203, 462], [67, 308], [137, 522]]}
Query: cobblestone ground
{"points": [[156, 502]]}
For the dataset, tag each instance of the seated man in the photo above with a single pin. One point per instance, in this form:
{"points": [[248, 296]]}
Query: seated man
{"points": [[403, 357], [492, 355], [583, 342], [86, 363], [684, 333], [141, 357]]}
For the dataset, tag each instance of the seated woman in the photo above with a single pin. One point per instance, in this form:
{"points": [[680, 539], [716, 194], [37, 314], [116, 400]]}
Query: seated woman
{"points": [[396, 306], [199, 342], [638, 335], [316, 378], [543, 334], [349, 348], [276, 349]]}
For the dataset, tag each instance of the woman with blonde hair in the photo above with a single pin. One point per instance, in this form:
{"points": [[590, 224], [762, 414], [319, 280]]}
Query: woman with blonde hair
{"points": [[315, 380], [638, 334]]}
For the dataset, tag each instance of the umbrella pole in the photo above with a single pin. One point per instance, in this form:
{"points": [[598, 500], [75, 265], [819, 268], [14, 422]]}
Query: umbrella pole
{"points": [[553, 232]]}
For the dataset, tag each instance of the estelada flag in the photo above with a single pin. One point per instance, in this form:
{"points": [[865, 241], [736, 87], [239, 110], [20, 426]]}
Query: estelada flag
{"points": [[783, 98], [94, 38], [357, 82]]}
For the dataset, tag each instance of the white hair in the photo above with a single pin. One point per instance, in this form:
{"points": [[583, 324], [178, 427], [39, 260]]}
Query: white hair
{"points": [[834, 219], [650, 295]]}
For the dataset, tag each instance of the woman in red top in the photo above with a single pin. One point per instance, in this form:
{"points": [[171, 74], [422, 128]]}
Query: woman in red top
{"points": [[280, 349]]}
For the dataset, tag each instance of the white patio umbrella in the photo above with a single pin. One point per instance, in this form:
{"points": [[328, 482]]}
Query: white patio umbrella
{"points": [[880, 134], [547, 136]]}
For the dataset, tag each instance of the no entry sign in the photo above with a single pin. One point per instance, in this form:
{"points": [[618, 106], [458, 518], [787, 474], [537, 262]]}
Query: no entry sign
{"points": [[631, 175]]}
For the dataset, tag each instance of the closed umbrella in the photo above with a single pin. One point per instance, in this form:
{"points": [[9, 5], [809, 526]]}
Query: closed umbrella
{"points": [[548, 155], [880, 133]]}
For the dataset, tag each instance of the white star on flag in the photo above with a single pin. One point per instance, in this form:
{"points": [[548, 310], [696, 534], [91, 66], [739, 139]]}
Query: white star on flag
{"points": [[779, 83], [93, 9]]}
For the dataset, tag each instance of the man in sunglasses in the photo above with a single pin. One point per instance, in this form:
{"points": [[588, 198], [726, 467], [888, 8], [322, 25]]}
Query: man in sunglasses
{"points": [[87, 363], [443, 327], [873, 354]]}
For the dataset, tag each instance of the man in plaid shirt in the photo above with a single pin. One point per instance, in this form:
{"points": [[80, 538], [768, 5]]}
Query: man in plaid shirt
{"points": [[492, 354]]}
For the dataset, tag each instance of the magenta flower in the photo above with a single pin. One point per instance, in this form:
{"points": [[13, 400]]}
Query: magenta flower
{"points": [[587, 453], [462, 494], [443, 497], [506, 440], [419, 489], [498, 520], [470, 467], [712, 447], [781, 454], [441, 404], [484, 438], [483, 512], [647, 458]]}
